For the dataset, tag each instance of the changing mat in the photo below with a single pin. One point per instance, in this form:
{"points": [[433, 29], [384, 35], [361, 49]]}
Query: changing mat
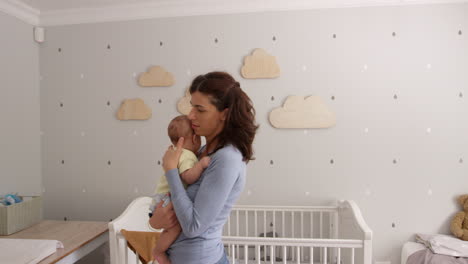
{"points": [[27, 251]]}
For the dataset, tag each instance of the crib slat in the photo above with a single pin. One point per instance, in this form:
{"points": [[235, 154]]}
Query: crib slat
{"points": [[352, 255], [274, 234], [293, 256], [137, 260], [272, 257], [264, 234], [311, 255], [233, 256], [311, 224], [229, 225], [119, 252], [325, 255], [321, 233], [302, 234], [255, 221], [237, 222], [285, 256], [274, 223], [246, 254], [321, 224], [258, 255], [246, 223], [298, 253], [292, 224], [335, 225], [126, 250], [282, 223], [302, 224], [338, 257]]}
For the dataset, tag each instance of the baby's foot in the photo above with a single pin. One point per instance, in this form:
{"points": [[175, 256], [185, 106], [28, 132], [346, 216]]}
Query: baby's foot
{"points": [[205, 161], [162, 258]]}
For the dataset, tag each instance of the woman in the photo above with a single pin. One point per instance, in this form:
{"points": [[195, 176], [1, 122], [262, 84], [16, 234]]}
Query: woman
{"points": [[224, 115]]}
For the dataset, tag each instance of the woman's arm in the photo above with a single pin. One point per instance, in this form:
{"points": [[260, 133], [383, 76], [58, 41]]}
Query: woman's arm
{"points": [[219, 178], [165, 217]]}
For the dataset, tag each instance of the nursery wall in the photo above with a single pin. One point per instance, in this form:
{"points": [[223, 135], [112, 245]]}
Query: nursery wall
{"points": [[20, 160], [395, 77]]}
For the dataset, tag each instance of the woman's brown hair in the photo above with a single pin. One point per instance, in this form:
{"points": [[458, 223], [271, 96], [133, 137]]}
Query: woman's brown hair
{"points": [[225, 92]]}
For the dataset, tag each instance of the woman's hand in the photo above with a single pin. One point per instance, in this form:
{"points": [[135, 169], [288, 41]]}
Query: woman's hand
{"points": [[163, 217], [172, 155]]}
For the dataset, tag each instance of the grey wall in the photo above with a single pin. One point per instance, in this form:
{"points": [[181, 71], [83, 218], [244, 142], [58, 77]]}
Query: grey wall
{"points": [[399, 148], [20, 160]]}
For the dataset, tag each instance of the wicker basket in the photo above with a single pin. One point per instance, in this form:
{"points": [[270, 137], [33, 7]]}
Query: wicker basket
{"points": [[16, 217]]}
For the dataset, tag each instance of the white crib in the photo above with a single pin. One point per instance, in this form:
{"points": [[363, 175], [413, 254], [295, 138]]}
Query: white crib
{"points": [[271, 234]]}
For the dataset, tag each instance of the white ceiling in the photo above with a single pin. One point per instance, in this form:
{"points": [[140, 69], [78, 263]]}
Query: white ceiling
{"points": [[50, 5], [64, 12]]}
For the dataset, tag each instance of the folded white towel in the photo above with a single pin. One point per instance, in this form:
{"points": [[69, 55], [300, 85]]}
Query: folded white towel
{"points": [[26, 251], [444, 244]]}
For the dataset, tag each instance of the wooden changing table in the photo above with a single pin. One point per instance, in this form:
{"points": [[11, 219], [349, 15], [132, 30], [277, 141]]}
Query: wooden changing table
{"points": [[79, 238]]}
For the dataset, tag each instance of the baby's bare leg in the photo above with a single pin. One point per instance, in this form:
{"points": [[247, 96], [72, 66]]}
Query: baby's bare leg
{"points": [[164, 242]]}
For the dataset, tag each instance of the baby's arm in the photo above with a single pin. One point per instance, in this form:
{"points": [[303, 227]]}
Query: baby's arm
{"points": [[193, 174]]}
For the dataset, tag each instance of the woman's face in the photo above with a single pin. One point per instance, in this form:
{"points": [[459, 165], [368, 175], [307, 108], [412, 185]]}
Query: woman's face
{"points": [[206, 120]]}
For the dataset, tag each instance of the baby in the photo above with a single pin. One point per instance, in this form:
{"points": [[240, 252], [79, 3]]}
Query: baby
{"points": [[190, 170]]}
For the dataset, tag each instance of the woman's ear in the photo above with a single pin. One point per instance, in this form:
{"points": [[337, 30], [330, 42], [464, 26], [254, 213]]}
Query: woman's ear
{"points": [[224, 114]]}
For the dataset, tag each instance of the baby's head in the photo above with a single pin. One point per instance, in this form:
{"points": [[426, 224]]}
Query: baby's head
{"points": [[179, 127]]}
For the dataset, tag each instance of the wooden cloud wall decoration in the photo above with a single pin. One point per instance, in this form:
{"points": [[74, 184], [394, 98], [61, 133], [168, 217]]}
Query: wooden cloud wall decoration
{"points": [[183, 105], [260, 65], [134, 109], [302, 112], [156, 76]]}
